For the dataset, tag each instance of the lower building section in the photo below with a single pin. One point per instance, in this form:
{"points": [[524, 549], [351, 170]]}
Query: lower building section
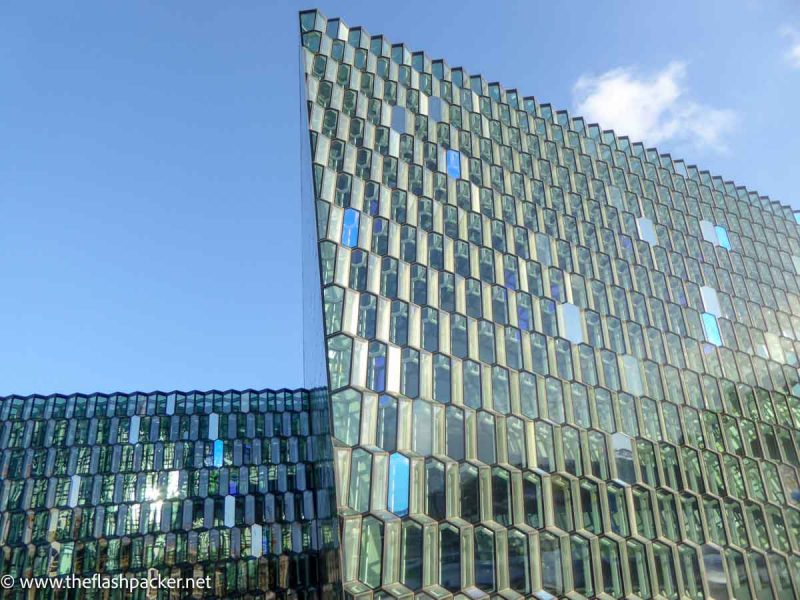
{"points": [[233, 495], [231, 488], [448, 501]]}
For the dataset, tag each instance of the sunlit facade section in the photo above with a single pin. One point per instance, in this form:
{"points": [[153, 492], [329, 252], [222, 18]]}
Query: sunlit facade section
{"points": [[560, 364]]}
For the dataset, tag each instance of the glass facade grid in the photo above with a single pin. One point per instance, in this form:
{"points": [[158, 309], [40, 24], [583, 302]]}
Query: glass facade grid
{"points": [[561, 363], [545, 361], [236, 486]]}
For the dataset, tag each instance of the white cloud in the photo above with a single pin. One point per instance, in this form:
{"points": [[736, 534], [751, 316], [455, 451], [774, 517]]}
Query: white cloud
{"points": [[652, 109], [793, 53]]}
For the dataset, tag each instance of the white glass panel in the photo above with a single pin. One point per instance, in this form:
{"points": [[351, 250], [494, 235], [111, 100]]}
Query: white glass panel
{"points": [[213, 426], [711, 301], [255, 540], [230, 511], [74, 488], [708, 231], [393, 367], [173, 484], [133, 432], [631, 377], [570, 322], [646, 230]]}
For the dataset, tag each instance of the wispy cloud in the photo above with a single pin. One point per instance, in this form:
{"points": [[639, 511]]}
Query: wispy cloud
{"points": [[792, 54], [652, 108]]}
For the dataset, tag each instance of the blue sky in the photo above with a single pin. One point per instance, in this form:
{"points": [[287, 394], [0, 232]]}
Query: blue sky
{"points": [[149, 158]]}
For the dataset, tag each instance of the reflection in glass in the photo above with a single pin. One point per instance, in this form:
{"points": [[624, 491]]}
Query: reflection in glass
{"points": [[398, 484]]}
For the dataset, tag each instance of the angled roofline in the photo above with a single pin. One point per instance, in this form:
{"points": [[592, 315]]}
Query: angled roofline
{"points": [[344, 31]]}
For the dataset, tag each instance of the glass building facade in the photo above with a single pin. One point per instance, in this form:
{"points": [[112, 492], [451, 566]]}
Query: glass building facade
{"points": [[561, 364], [236, 486], [542, 361]]}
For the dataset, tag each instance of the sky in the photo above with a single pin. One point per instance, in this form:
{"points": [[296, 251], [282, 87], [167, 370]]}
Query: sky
{"points": [[150, 158]]}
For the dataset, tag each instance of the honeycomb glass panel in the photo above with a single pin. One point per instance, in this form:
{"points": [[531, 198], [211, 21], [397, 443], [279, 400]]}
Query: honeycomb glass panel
{"points": [[453, 163], [398, 484]]}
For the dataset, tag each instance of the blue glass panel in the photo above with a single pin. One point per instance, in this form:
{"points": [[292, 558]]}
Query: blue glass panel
{"points": [[350, 228], [627, 244], [218, 453], [524, 317], [722, 236], [797, 217], [712, 329], [511, 279], [379, 374], [454, 164], [399, 119], [435, 108], [398, 484]]}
